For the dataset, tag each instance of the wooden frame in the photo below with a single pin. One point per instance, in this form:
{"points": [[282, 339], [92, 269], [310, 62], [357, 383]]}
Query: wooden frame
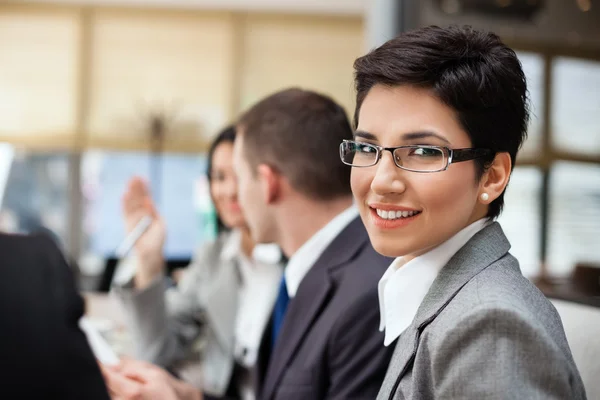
{"points": [[549, 154]]}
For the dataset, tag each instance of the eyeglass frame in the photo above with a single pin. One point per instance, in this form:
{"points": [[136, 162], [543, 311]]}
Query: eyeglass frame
{"points": [[452, 155]]}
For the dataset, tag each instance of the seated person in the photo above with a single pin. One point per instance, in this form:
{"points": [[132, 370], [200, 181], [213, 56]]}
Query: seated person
{"points": [[323, 343], [43, 351], [225, 297], [440, 116]]}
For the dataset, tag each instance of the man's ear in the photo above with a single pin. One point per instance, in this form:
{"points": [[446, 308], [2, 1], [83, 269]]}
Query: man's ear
{"points": [[496, 177], [270, 181]]}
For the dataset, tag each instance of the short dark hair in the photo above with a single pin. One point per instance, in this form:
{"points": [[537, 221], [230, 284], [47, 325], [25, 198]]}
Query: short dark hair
{"points": [[298, 133], [471, 71], [227, 135]]}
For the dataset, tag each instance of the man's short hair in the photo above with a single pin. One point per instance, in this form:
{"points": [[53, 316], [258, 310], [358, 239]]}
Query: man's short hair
{"points": [[471, 71], [298, 133]]}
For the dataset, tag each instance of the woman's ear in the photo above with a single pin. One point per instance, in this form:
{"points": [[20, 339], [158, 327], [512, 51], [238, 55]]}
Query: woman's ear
{"points": [[270, 182], [495, 178]]}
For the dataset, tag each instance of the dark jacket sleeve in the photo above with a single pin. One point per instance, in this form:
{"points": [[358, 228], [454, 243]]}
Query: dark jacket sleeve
{"points": [[78, 375], [358, 358]]}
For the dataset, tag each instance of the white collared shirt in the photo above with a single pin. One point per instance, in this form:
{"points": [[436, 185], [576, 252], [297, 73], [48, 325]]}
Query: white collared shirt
{"points": [[405, 284], [304, 258], [259, 278]]}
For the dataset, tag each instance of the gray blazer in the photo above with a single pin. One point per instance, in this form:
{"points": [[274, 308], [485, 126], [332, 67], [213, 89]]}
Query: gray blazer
{"points": [[166, 325], [329, 346], [483, 331]]}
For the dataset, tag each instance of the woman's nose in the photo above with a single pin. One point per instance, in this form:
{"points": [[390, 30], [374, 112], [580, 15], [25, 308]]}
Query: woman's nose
{"points": [[388, 177], [231, 187]]}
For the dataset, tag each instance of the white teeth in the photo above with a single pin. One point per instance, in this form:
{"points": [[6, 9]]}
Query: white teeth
{"points": [[395, 214]]}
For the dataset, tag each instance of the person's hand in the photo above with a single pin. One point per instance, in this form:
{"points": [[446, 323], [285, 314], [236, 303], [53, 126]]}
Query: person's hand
{"points": [[143, 384], [137, 203], [138, 380]]}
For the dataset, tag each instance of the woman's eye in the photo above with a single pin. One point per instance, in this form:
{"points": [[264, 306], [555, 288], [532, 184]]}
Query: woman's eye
{"points": [[425, 152], [366, 149], [218, 177]]}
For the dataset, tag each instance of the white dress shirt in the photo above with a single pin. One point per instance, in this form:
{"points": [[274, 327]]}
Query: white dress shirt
{"points": [[405, 284], [304, 258], [258, 289], [256, 296]]}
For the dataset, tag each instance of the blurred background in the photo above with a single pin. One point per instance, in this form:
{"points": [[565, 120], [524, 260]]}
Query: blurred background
{"points": [[93, 92]]}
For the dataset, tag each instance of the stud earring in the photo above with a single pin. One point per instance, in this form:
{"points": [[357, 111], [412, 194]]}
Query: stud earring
{"points": [[484, 197]]}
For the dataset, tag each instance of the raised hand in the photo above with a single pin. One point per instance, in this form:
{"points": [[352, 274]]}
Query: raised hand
{"points": [[137, 203]]}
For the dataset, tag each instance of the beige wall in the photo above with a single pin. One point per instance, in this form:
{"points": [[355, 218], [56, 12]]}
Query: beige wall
{"points": [[75, 77]]}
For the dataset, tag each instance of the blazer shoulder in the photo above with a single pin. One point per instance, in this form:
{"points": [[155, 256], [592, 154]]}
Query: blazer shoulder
{"points": [[498, 291], [357, 278], [359, 285], [29, 251], [492, 335], [371, 264], [19, 242], [503, 283], [207, 257]]}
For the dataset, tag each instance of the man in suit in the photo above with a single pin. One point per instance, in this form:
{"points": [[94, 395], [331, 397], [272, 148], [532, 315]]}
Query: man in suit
{"points": [[324, 341], [44, 353]]}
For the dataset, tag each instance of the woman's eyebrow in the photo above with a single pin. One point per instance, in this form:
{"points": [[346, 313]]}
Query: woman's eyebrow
{"points": [[364, 135], [423, 135], [404, 137]]}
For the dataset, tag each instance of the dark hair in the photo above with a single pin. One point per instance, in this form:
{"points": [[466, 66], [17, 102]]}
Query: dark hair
{"points": [[227, 135], [471, 71], [298, 133]]}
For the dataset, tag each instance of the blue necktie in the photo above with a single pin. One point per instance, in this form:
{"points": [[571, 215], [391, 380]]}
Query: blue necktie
{"points": [[279, 310]]}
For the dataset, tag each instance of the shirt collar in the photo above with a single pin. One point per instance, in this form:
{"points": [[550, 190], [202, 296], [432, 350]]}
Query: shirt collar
{"points": [[304, 258], [231, 246], [261, 254], [405, 284]]}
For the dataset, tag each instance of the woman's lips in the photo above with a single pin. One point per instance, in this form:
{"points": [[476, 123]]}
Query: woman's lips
{"points": [[391, 217]]}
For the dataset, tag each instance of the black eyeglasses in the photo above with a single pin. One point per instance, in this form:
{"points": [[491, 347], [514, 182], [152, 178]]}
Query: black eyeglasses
{"points": [[416, 158]]}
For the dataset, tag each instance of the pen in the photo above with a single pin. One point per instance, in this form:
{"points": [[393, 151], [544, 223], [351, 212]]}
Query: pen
{"points": [[131, 239], [126, 270]]}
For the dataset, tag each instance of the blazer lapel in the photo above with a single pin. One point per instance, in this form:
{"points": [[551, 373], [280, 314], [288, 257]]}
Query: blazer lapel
{"points": [[486, 247], [302, 311], [262, 361], [313, 294], [404, 355]]}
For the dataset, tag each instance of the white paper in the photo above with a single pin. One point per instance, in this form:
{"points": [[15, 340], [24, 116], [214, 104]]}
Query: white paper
{"points": [[101, 349]]}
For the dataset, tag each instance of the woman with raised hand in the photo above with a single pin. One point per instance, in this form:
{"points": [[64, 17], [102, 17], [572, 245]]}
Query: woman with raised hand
{"points": [[225, 296]]}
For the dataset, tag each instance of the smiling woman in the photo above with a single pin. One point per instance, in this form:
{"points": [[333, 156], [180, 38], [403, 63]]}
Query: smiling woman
{"points": [[418, 124], [440, 116]]}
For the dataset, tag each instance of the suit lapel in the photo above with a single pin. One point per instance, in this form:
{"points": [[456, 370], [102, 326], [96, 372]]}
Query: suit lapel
{"points": [[404, 355], [312, 296], [486, 247], [302, 311], [264, 355]]}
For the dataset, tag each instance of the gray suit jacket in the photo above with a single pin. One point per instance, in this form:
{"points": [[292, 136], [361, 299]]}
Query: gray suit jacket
{"points": [[483, 331], [329, 346], [166, 324]]}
